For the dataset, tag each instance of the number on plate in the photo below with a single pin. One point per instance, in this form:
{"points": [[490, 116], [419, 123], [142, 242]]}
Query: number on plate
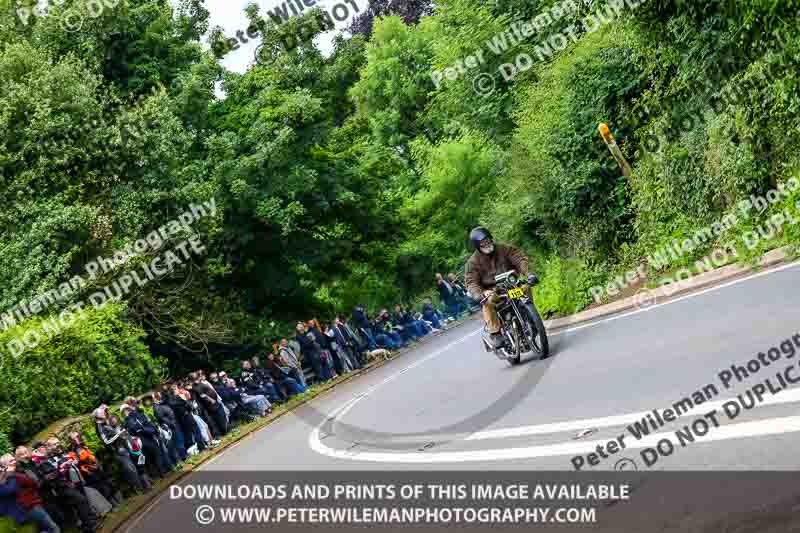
{"points": [[516, 293]]}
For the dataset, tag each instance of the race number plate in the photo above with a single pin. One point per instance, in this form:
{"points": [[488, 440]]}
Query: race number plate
{"points": [[516, 294]]}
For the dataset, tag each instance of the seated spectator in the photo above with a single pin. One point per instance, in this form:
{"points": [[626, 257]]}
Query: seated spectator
{"points": [[212, 403], [138, 425], [20, 498], [199, 406], [232, 400], [293, 361], [255, 386], [180, 401], [25, 465], [61, 477], [279, 371], [8, 494], [257, 404], [214, 381], [265, 378], [384, 335], [94, 475], [418, 327], [115, 438], [431, 315]]}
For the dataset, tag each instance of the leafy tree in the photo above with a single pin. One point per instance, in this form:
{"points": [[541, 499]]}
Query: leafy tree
{"points": [[409, 11]]}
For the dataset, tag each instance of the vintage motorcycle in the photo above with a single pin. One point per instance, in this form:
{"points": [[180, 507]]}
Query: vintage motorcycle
{"points": [[520, 322]]}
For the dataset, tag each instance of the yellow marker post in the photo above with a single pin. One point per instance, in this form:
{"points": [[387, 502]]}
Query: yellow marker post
{"points": [[608, 138]]}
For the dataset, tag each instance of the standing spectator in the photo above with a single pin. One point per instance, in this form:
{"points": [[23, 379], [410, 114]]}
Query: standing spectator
{"points": [[347, 340], [28, 505], [94, 475], [462, 293], [290, 356], [310, 349], [326, 357], [165, 429], [115, 439], [167, 418], [138, 425], [363, 326], [449, 297], [341, 350]]}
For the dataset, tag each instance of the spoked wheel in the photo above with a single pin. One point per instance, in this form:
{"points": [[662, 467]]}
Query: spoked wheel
{"points": [[517, 336], [536, 335]]}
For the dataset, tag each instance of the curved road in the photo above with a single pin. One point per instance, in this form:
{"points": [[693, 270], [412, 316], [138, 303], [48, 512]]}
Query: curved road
{"points": [[451, 406]]}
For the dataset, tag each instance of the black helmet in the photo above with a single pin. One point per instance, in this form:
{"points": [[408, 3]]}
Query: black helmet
{"points": [[477, 235]]}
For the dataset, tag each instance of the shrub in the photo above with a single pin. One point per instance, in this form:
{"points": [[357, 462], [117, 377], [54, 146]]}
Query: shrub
{"points": [[96, 359]]}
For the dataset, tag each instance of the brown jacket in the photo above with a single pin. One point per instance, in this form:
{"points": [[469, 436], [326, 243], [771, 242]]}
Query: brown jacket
{"points": [[481, 269]]}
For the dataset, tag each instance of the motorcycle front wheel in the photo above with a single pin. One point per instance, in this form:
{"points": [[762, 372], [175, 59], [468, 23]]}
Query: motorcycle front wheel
{"points": [[514, 352], [535, 333]]}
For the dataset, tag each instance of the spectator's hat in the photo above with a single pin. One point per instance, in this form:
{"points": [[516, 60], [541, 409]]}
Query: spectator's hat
{"points": [[125, 407], [100, 412]]}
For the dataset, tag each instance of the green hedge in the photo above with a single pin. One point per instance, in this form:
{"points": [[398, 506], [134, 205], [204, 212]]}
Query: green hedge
{"points": [[99, 358]]}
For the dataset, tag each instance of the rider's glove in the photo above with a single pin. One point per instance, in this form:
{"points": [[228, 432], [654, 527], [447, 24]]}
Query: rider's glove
{"points": [[488, 294]]}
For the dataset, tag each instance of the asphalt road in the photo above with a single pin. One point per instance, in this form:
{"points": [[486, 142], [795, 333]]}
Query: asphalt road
{"points": [[451, 406], [450, 388]]}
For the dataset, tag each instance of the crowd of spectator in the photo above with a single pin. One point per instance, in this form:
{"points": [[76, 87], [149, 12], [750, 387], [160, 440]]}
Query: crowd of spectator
{"points": [[57, 486]]}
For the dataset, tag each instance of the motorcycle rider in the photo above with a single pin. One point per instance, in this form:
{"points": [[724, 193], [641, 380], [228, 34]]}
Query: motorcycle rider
{"points": [[488, 260]]}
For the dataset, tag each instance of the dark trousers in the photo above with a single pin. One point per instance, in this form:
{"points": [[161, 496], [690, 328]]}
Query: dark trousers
{"points": [[102, 484], [152, 452], [218, 414], [129, 471], [71, 499]]}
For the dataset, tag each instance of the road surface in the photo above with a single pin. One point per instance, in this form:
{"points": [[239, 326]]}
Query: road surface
{"points": [[451, 406]]}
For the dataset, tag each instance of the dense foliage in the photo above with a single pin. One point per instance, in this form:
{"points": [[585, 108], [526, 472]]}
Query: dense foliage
{"points": [[353, 177], [93, 360]]}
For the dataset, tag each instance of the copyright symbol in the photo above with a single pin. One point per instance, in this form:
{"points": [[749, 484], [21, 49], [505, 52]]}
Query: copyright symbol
{"points": [[644, 298], [204, 515], [71, 21], [625, 464], [483, 84], [259, 51]]}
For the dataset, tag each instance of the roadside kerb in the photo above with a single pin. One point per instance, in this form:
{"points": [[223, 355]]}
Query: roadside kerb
{"points": [[663, 293]]}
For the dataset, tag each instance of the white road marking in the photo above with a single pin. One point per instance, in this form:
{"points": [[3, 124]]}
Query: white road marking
{"points": [[766, 427], [759, 428], [788, 396]]}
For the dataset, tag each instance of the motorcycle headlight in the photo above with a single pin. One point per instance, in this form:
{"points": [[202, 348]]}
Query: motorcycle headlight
{"points": [[512, 279]]}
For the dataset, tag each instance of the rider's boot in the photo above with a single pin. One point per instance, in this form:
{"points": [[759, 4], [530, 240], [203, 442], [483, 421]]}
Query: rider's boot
{"points": [[496, 340]]}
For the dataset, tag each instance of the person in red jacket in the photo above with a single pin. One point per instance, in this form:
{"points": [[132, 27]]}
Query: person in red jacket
{"points": [[28, 498]]}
